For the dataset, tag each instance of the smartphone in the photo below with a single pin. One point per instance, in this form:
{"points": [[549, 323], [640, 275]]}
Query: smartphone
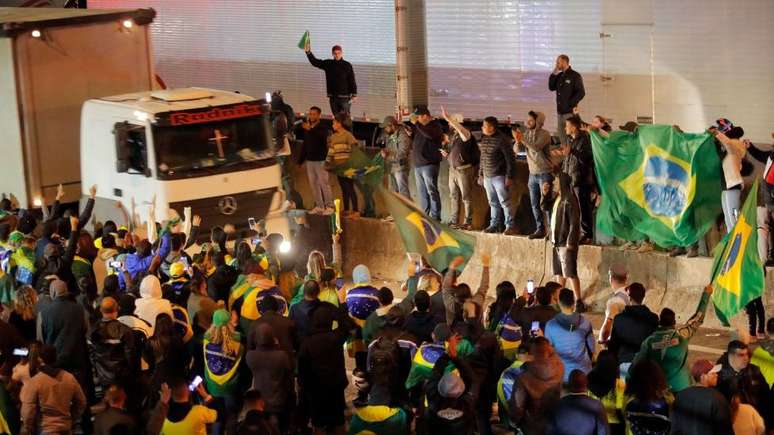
{"points": [[115, 264], [20, 351], [530, 286], [339, 283], [251, 223], [197, 380], [535, 325]]}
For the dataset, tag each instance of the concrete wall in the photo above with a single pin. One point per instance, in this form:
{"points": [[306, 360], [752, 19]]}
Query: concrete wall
{"points": [[671, 282]]}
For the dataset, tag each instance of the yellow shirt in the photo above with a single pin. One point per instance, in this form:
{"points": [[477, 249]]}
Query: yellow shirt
{"points": [[195, 423]]}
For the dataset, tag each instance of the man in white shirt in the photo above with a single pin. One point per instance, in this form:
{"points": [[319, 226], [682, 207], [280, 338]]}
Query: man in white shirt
{"points": [[619, 278]]}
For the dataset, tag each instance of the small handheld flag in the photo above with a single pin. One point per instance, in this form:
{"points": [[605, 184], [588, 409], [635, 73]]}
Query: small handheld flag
{"points": [[304, 41], [737, 272]]}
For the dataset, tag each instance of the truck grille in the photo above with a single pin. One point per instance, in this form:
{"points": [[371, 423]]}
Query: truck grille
{"points": [[229, 209]]}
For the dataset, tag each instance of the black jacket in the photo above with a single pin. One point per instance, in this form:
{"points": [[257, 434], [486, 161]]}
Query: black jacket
{"points": [[339, 76], [497, 158], [64, 327], [539, 313], [108, 421], [272, 372], [463, 153], [565, 222], [113, 352], [749, 383], [579, 164], [219, 284], [426, 147], [284, 330], [321, 369], [630, 328], [450, 416], [420, 325], [569, 90], [700, 410], [315, 147]]}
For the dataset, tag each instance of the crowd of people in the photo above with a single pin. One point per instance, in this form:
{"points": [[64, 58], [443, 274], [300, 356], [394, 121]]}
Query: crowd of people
{"points": [[157, 326], [137, 328]]}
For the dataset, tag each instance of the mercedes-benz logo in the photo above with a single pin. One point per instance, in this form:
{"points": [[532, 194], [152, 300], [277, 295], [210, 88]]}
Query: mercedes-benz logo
{"points": [[227, 205]]}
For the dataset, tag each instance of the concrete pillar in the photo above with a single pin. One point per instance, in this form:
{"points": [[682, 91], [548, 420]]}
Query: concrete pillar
{"points": [[411, 54]]}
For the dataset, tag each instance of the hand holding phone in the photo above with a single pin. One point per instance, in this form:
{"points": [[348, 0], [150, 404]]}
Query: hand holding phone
{"points": [[530, 286], [195, 383], [251, 223], [21, 352]]}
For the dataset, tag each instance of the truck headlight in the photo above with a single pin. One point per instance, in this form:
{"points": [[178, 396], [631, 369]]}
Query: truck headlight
{"points": [[284, 247]]}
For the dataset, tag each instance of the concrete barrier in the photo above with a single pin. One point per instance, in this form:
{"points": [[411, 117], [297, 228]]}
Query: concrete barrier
{"points": [[676, 283]]}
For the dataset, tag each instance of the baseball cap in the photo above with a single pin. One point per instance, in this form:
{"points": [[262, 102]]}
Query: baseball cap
{"points": [[221, 317], [176, 270], [388, 120], [421, 110], [703, 367]]}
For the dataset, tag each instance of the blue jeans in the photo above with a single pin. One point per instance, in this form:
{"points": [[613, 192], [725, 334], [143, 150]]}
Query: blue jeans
{"points": [[399, 182], [427, 189], [535, 185], [731, 201], [499, 197]]}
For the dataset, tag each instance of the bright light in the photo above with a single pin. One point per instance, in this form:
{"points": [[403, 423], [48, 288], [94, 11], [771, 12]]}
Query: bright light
{"points": [[36, 33], [141, 116], [128, 24], [284, 247], [268, 97], [37, 202]]}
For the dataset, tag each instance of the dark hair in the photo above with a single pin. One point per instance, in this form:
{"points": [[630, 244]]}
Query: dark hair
{"points": [[219, 258], [49, 228], [335, 48], [48, 354], [566, 298], [108, 241], [575, 121], [252, 395], [666, 318], [422, 301], [491, 120], [243, 256], [5, 204], [604, 375], [110, 286], [770, 326], [311, 289], [543, 295], [218, 236], [384, 295], [27, 223], [636, 292], [143, 248], [176, 241], [577, 381], [164, 327], [505, 294], [268, 303], [5, 231], [647, 382], [343, 119], [552, 286], [540, 347], [316, 109], [109, 227], [327, 275], [564, 57], [462, 292], [735, 345]]}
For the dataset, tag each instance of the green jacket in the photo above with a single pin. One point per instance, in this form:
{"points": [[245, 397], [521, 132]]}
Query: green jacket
{"points": [[668, 347]]}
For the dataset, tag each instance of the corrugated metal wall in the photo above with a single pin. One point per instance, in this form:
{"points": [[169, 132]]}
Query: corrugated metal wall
{"points": [[682, 62], [250, 46]]}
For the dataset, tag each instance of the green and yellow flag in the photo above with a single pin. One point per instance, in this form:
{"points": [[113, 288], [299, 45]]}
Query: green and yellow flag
{"points": [[657, 183], [737, 272], [438, 243], [304, 40], [360, 167]]}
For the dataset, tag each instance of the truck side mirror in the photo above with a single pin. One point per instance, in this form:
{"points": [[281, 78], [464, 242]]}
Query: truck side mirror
{"points": [[123, 149]]}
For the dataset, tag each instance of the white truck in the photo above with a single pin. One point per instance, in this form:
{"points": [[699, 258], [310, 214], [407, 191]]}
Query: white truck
{"points": [[207, 149], [192, 147]]}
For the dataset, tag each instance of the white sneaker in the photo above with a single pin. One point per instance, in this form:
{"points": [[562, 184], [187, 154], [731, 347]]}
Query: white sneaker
{"points": [[316, 210], [328, 211]]}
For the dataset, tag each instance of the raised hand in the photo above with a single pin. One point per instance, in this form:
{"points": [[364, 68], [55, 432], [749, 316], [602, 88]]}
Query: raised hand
{"points": [[59, 192], [93, 191]]}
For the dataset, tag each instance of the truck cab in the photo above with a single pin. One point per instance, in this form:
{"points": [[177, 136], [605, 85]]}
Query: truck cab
{"points": [[202, 148]]}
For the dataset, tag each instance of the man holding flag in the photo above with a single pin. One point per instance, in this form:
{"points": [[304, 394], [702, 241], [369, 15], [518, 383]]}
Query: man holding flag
{"points": [[340, 83]]}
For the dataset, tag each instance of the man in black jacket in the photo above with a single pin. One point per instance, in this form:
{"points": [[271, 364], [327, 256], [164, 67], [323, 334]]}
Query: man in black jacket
{"points": [[339, 79], [496, 172], [578, 163], [739, 376], [565, 235], [568, 85], [313, 153], [426, 150], [632, 326], [112, 349]]}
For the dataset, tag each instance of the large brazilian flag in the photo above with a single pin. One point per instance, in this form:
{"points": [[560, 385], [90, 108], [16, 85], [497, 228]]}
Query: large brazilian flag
{"points": [[737, 272], [657, 183], [421, 234], [360, 167]]}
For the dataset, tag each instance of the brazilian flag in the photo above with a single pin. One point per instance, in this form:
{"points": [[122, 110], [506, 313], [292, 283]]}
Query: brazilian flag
{"points": [[657, 183], [305, 39], [438, 243], [737, 272], [360, 167]]}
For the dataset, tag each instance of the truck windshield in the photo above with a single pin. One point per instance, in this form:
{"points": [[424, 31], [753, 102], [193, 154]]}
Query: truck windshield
{"points": [[213, 147]]}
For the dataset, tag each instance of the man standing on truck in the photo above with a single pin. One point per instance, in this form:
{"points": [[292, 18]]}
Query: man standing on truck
{"points": [[339, 79]]}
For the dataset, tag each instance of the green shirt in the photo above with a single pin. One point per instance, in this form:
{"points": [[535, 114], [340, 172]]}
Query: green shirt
{"points": [[668, 347]]}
